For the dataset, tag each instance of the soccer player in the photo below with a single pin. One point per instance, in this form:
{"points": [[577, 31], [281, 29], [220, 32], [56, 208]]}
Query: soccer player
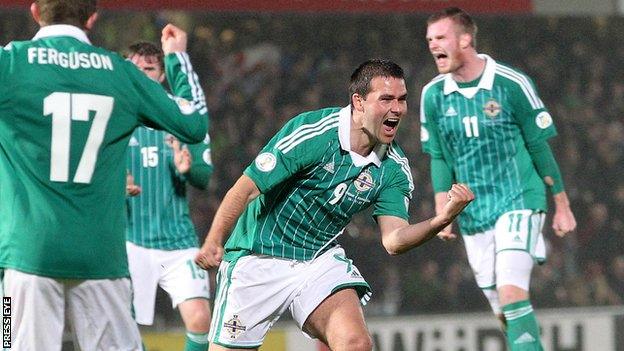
{"points": [[67, 111], [484, 125], [297, 196], [162, 242]]}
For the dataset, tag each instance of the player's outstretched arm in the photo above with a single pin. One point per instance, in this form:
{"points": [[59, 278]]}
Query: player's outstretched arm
{"points": [[398, 236], [231, 208]]}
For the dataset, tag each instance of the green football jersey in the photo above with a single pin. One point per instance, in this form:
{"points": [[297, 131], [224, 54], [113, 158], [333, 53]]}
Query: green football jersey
{"points": [[481, 129], [311, 185], [158, 218], [67, 111]]}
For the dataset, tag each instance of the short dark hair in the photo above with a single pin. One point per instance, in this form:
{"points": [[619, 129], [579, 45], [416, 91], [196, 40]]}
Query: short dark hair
{"points": [[146, 48], [74, 12], [364, 74], [460, 17]]}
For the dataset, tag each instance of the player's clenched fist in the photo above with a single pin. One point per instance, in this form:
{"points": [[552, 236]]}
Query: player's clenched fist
{"points": [[210, 255], [459, 197], [173, 39]]}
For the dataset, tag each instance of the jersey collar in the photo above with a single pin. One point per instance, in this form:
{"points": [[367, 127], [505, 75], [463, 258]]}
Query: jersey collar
{"points": [[486, 81], [344, 135], [65, 30]]}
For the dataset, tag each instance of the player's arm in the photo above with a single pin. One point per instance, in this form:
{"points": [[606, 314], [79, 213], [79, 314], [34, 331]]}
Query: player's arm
{"points": [[193, 163], [185, 115], [441, 171], [202, 168], [232, 207], [537, 127], [398, 236], [548, 169], [182, 79]]}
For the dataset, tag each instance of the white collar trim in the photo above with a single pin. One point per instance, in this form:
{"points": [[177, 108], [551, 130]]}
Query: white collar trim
{"points": [[486, 82], [56, 30], [344, 135]]}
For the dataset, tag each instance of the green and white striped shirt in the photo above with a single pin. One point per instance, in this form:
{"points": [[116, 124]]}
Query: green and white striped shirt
{"points": [[311, 185], [67, 111], [158, 218], [481, 130]]}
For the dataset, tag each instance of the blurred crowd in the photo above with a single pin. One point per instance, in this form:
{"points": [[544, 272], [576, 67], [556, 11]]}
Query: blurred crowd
{"points": [[259, 70]]}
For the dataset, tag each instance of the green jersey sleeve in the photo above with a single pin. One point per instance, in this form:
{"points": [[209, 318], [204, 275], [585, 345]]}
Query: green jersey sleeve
{"points": [[186, 120], [290, 151], [534, 120], [429, 136], [201, 168], [394, 198]]}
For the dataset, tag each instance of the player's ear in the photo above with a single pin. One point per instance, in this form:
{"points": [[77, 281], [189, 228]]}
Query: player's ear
{"points": [[465, 40], [91, 21], [34, 12], [356, 101]]}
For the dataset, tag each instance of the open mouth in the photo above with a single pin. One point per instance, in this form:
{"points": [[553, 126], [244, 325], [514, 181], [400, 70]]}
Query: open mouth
{"points": [[391, 123]]}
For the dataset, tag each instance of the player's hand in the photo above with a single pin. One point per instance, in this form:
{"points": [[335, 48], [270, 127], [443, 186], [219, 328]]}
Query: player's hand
{"points": [[563, 220], [447, 233], [458, 198], [131, 188], [210, 255], [173, 39], [181, 156]]}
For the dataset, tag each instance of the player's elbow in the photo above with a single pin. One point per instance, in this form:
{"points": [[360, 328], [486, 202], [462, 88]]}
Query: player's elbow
{"points": [[392, 245]]}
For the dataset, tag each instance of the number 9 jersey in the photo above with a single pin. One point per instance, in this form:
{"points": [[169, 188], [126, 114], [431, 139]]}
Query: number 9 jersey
{"points": [[312, 184]]}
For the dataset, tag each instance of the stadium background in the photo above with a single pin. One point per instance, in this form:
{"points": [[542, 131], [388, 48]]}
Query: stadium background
{"points": [[261, 62]]}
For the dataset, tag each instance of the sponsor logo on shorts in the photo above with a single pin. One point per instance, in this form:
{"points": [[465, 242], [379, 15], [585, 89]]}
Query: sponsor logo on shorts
{"points": [[234, 327]]}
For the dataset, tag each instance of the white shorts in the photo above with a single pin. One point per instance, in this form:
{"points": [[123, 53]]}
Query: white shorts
{"points": [[519, 230], [98, 311], [254, 291], [175, 271]]}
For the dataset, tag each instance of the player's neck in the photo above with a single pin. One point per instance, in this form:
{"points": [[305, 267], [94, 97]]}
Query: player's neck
{"points": [[361, 142], [471, 69]]}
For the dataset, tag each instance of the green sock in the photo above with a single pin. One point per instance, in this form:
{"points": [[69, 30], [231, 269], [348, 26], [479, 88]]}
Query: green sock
{"points": [[522, 328], [196, 342]]}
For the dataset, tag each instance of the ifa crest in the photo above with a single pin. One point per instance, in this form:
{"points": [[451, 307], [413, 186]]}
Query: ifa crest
{"points": [[364, 182], [492, 108], [234, 327]]}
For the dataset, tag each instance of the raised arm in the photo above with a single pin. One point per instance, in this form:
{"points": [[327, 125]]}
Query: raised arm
{"points": [[398, 236], [184, 114]]}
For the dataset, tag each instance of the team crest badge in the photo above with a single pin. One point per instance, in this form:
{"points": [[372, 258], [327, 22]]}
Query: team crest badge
{"points": [[234, 327], [492, 108], [364, 182]]}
